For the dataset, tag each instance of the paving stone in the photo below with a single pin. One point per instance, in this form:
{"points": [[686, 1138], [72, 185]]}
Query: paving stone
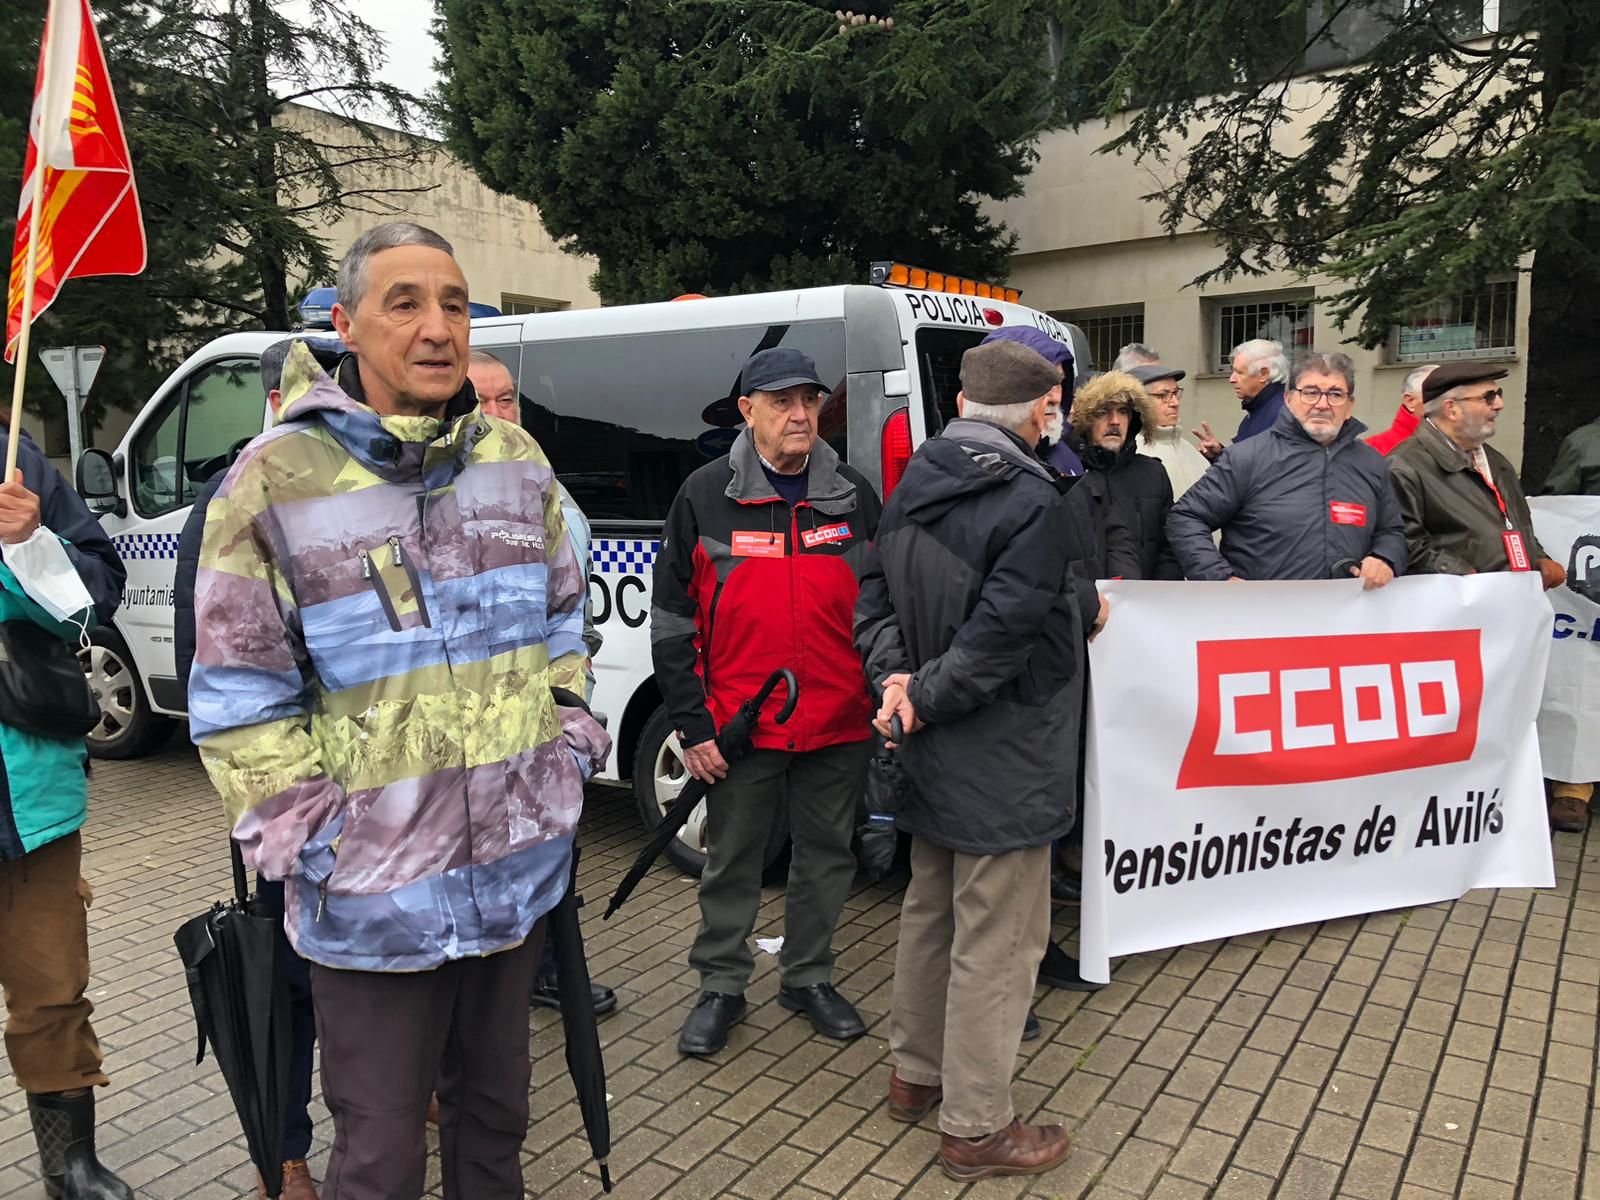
{"points": [[1446, 1051]]}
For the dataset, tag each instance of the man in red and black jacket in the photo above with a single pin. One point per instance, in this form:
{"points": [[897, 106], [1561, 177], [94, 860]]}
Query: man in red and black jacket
{"points": [[758, 569]]}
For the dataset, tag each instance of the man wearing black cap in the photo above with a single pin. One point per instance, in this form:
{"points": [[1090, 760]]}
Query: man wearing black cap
{"points": [[1164, 440], [758, 569], [1464, 508]]}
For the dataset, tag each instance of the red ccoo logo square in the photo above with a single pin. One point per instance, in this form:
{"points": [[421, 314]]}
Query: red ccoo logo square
{"points": [[1303, 710]]}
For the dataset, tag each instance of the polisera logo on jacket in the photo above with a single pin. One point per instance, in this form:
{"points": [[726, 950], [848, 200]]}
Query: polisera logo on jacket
{"points": [[1308, 709]]}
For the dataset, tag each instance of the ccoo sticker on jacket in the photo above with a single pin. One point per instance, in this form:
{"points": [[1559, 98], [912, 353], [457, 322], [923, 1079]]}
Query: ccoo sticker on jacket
{"points": [[824, 534]]}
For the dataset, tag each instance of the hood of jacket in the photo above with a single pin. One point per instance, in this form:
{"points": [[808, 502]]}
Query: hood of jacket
{"points": [[967, 459], [1100, 393], [395, 448]]}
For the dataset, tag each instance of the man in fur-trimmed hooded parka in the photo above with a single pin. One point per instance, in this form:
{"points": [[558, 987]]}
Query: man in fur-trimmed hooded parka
{"points": [[1107, 414]]}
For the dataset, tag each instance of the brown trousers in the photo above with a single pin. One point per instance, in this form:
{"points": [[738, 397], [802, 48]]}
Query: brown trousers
{"points": [[388, 1038], [44, 968], [972, 931]]}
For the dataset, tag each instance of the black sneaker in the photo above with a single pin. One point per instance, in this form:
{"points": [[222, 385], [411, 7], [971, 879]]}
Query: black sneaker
{"points": [[706, 1030], [1030, 1028], [831, 1014]]}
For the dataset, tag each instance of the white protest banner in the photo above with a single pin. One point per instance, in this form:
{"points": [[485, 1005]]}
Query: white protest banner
{"points": [[1568, 527], [1272, 754]]}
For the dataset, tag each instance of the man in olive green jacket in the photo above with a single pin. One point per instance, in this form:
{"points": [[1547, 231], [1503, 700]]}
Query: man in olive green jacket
{"points": [[1577, 468], [1464, 508]]}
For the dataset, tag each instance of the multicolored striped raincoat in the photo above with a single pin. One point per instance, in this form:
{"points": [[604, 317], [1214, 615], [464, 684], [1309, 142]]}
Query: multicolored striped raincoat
{"points": [[383, 605]]}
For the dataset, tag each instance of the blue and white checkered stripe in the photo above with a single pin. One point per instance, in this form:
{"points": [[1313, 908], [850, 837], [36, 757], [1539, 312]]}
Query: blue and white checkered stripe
{"points": [[146, 545], [623, 557]]}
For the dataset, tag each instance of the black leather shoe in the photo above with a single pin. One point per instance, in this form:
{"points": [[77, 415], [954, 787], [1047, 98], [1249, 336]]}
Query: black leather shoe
{"points": [[706, 1030], [1030, 1027], [547, 993], [831, 1014], [1065, 889]]}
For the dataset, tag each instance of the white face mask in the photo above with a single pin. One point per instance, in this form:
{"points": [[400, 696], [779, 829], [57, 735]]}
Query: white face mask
{"points": [[46, 573]]}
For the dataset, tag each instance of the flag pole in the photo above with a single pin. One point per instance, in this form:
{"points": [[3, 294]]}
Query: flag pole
{"points": [[28, 281], [41, 158]]}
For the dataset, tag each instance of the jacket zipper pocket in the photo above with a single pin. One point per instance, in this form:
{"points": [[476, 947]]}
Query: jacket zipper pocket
{"points": [[401, 559], [374, 577]]}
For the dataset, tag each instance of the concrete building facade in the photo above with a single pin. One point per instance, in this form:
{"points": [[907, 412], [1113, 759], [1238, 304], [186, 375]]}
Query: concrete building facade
{"points": [[1093, 251]]}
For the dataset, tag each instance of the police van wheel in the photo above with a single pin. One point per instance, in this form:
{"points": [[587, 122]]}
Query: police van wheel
{"points": [[128, 727], [658, 777]]}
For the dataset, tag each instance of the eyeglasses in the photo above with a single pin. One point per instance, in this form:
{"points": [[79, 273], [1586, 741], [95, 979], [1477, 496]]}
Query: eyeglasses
{"points": [[1169, 394], [1334, 396], [1488, 397]]}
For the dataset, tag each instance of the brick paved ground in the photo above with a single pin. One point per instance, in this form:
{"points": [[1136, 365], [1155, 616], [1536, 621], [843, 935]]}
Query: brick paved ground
{"points": [[1441, 1051]]}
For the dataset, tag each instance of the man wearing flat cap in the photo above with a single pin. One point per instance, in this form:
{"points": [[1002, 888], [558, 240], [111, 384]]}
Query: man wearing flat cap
{"points": [[1463, 506], [758, 570], [1163, 439], [971, 623], [1464, 509]]}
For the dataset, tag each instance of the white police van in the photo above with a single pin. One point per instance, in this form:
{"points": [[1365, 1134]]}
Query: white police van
{"points": [[626, 401]]}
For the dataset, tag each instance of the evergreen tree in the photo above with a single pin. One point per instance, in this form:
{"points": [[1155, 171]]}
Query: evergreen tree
{"points": [[723, 146], [1435, 155], [234, 190]]}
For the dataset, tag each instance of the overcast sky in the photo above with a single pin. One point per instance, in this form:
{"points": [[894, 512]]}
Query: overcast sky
{"points": [[409, 48]]}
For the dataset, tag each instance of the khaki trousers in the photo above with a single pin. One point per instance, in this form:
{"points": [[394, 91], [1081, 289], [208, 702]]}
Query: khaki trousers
{"points": [[973, 929], [44, 967]]}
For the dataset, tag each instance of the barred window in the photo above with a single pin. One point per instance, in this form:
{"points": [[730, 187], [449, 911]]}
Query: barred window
{"points": [[1108, 331], [1477, 325], [1287, 322]]}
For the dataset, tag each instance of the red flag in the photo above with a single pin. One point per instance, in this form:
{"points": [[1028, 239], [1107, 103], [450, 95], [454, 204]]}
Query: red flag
{"points": [[88, 220]]}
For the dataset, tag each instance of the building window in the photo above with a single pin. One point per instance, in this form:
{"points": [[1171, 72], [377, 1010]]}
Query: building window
{"points": [[1108, 331], [1480, 324], [1285, 321], [521, 306]]}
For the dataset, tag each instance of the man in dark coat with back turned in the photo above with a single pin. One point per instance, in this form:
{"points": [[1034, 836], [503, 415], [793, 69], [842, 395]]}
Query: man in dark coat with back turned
{"points": [[971, 622]]}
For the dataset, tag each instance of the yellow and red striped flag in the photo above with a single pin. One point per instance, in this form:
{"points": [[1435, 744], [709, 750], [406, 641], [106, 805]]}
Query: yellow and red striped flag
{"points": [[88, 220]]}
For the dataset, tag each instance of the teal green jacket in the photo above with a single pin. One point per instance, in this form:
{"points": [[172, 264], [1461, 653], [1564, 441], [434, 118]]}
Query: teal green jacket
{"points": [[44, 793]]}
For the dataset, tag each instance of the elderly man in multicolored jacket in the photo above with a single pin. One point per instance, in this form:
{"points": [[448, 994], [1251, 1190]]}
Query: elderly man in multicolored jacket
{"points": [[386, 597]]}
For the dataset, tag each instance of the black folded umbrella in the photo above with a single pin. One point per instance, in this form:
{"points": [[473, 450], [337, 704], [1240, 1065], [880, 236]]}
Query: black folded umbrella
{"points": [[734, 742], [584, 1060], [241, 1007], [888, 787]]}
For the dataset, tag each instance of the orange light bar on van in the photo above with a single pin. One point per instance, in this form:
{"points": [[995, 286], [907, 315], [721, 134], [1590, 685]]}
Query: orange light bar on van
{"points": [[895, 274]]}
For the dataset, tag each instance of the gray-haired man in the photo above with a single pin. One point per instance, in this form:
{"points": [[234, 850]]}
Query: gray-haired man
{"points": [[1260, 373], [971, 622]]}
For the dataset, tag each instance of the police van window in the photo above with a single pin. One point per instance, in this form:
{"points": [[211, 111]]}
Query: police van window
{"points": [[625, 419], [212, 415], [939, 354]]}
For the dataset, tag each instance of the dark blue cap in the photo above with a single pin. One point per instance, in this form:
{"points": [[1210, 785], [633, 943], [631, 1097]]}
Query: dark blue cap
{"points": [[779, 368]]}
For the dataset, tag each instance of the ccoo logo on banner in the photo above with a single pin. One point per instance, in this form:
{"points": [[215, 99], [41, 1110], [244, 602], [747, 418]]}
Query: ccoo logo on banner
{"points": [[1569, 529], [1280, 753]]}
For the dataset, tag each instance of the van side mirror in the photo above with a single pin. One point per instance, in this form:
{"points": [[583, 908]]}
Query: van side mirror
{"points": [[96, 478]]}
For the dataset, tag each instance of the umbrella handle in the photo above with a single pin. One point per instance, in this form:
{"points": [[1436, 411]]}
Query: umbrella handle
{"points": [[786, 677], [897, 729]]}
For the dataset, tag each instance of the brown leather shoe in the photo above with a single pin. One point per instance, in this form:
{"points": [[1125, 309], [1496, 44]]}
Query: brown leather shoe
{"points": [[1017, 1149], [910, 1102], [297, 1183], [1568, 814], [433, 1111]]}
